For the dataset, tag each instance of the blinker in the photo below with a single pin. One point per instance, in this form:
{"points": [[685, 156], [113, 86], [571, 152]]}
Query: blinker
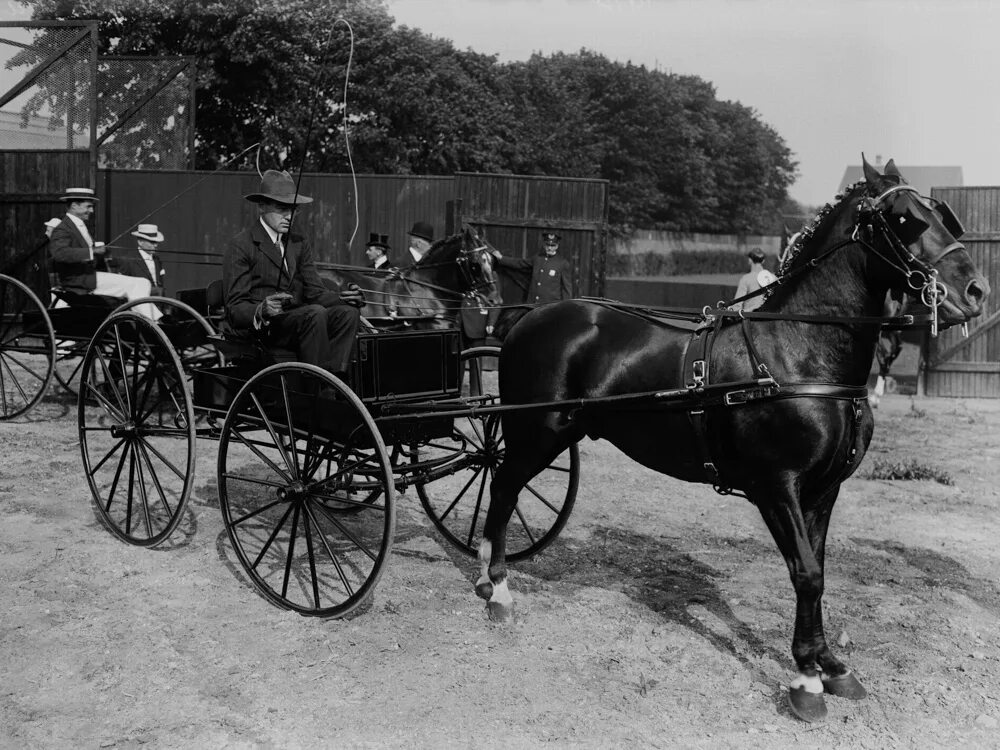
{"points": [[907, 226], [948, 218]]}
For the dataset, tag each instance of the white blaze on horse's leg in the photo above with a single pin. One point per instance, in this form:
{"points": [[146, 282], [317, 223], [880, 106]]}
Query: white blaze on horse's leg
{"points": [[812, 683], [879, 385], [485, 553], [501, 594]]}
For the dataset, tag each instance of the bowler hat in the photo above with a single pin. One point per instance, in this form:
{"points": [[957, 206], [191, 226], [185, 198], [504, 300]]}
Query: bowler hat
{"points": [[423, 230], [756, 255], [378, 240], [278, 187], [551, 237], [148, 232], [78, 194]]}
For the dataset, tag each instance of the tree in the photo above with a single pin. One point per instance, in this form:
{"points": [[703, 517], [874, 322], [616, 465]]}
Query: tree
{"points": [[274, 71]]}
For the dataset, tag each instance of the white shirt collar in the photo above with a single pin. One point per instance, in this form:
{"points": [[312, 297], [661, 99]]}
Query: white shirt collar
{"points": [[381, 261], [417, 255], [145, 254], [270, 232]]}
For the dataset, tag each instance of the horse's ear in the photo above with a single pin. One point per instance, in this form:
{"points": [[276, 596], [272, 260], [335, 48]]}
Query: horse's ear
{"points": [[891, 169], [872, 177]]}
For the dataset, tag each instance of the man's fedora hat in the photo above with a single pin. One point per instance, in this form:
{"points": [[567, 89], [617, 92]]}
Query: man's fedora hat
{"points": [[148, 232], [79, 194], [423, 230], [378, 240], [278, 187]]}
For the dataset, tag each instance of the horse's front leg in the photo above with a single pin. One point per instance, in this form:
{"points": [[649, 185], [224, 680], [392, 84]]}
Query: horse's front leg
{"points": [[802, 543], [836, 676]]}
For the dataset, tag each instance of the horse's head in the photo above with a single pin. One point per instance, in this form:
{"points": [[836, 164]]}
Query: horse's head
{"points": [[476, 264], [917, 240]]}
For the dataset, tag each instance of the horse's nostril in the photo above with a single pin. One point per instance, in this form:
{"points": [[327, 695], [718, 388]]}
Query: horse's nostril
{"points": [[977, 290]]}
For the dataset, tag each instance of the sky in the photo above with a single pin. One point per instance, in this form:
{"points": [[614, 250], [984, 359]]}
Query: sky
{"points": [[912, 80]]}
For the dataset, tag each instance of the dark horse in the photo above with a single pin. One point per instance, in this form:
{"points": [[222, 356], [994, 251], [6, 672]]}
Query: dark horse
{"points": [[795, 422], [427, 294]]}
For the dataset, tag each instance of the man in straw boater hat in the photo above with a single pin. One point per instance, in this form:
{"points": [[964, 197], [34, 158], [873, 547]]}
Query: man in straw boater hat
{"points": [[76, 256], [143, 261], [273, 290]]}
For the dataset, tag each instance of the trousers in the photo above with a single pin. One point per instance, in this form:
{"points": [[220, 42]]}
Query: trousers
{"points": [[322, 336], [130, 287]]}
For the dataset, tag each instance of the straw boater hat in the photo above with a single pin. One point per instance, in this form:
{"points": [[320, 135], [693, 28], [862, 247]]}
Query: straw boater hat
{"points": [[423, 230], [79, 194], [148, 232], [278, 187]]}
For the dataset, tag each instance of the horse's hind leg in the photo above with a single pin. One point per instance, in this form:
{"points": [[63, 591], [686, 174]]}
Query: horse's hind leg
{"points": [[801, 538], [523, 460]]}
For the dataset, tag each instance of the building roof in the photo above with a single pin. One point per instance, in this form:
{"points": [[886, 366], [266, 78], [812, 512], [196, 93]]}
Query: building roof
{"points": [[922, 178]]}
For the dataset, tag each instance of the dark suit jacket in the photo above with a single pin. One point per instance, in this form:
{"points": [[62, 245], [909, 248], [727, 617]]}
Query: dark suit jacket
{"points": [[130, 263], [252, 270], [551, 276], [389, 263], [71, 257]]}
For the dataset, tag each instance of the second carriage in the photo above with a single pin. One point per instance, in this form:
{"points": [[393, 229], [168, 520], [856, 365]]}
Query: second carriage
{"points": [[309, 467]]}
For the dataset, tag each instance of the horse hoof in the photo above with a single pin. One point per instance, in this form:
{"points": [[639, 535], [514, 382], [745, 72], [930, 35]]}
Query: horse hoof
{"points": [[499, 612], [845, 686], [484, 590], [807, 706]]}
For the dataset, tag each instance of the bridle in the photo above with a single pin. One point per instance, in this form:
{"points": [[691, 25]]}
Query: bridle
{"points": [[899, 231], [920, 272]]}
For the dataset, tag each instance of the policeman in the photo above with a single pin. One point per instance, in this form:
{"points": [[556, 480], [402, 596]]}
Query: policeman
{"points": [[551, 274]]}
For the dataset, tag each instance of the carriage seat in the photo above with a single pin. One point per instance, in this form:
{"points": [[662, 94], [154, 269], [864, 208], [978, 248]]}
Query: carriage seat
{"points": [[80, 298]]}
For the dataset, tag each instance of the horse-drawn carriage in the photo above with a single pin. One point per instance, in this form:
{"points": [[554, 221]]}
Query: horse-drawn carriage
{"points": [[41, 342], [770, 404]]}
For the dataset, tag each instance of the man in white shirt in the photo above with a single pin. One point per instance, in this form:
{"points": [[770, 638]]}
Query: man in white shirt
{"points": [[756, 278], [143, 261], [76, 256]]}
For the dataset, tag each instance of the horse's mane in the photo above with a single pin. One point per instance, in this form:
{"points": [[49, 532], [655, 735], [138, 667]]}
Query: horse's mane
{"points": [[794, 254], [442, 250]]}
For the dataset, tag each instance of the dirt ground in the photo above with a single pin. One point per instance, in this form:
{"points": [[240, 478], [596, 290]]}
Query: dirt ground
{"points": [[662, 617]]}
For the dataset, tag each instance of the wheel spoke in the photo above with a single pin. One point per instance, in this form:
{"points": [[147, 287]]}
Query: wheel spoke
{"points": [[155, 479], [330, 553], [19, 363], [291, 428], [330, 516], [262, 457], [108, 455], [164, 459]]}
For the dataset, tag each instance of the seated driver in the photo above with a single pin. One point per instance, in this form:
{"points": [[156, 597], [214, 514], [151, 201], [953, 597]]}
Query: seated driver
{"points": [[273, 290]]}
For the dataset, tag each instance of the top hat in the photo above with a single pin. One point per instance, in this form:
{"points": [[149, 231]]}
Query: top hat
{"points": [[79, 194], [423, 230], [278, 187], [53, 223], [378, 240], [148, 232], [551, 237], [756, 255]]}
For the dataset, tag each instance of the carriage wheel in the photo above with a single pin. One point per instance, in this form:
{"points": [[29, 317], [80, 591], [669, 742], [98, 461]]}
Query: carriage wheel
{"points": [[27, 348], [134, 411], [457, 504], [187, 329], [69, 363], [306, 490]]}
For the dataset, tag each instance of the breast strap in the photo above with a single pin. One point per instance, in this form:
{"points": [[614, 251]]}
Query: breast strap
{"points": [[697, 369]]}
